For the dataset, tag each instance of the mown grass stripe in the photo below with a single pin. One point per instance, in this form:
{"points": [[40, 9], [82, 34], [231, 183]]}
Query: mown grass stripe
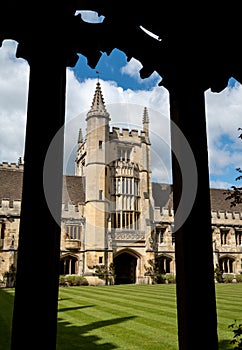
{"points": [[122, 296], [108, 308], [135, 325], [132, 317]]}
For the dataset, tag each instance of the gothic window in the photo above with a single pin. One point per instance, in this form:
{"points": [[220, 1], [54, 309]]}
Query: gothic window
{"points": [[226, 264], [127, 185], [128, 220], [100, 144], [73, 232], [160, 234], [136, 187], [68, 265], [124, 154], [173, 237], [224, 236], [118, 220], [131, 221], [119, 186], [123, 183], [2, 230], [100, 195], [238, 237], [126, 212], [119, 154], [164, 264]]}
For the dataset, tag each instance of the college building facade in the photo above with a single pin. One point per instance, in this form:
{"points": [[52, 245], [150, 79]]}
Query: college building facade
{"points": [[112, 212]]}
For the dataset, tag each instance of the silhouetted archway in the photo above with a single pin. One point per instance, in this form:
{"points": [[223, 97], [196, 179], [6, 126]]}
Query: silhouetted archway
{"points": [[125, 268]]}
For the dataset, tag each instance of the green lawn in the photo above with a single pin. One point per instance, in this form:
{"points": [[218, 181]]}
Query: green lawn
{"points": [[130, 317]]}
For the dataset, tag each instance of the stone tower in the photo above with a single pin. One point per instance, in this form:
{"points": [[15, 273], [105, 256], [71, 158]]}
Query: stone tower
{"points": [[91, 163], [118, 209]]}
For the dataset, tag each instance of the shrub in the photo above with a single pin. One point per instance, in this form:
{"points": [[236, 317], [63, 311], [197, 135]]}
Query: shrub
{"points": [[228, 278], [81, 281], [2, 283], [171, 278], [238, 278], [237, 338], [62, 280], [218, 274], [10, 277], [105, 273], [154, 272], [73, 280]]}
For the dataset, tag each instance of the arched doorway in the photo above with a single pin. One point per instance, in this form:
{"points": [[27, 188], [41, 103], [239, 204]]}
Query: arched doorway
{"points": [[68, 265], [125, 268]]}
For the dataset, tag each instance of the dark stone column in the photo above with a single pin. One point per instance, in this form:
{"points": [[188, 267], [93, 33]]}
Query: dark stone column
{"points": [[34, 322], [196, 302]]}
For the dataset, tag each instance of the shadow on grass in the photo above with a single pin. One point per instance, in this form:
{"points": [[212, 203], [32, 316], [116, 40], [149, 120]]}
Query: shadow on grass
{"points": [[69, 336], [75, 337], [63, 309], [225, 345]]}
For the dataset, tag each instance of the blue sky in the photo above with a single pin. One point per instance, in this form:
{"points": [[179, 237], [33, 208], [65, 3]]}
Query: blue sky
{"points": [[225, 149], [125, 95], [115, 67]]}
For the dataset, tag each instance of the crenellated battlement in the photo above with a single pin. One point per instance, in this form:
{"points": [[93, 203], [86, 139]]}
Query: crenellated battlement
{"points": [[10, 207], [12, 166], [217, 216], [125, 133], [226, 215], [70, 211]]}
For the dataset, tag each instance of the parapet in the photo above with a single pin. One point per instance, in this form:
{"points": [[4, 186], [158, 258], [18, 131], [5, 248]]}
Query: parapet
{"points": [[226, 216], [10, 207], [70, 211], [131, 135], [12, 166]]}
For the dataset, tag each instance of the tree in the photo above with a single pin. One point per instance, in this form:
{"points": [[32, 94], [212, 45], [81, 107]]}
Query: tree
{"points": [[104, 273], [218, 274], [235, 193], [154, 272]]}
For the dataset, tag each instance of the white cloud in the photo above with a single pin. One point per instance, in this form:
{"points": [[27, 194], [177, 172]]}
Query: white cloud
{"points": [[90, 16], [13, 101], [224, 115], [133, 67], [126, 110], [220, 184]]}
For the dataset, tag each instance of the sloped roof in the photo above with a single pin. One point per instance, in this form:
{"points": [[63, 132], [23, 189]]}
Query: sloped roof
{"points": [[73, 191], [163, 197], [218, 201], [11, 184], [162, 194], [11, 181]]}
